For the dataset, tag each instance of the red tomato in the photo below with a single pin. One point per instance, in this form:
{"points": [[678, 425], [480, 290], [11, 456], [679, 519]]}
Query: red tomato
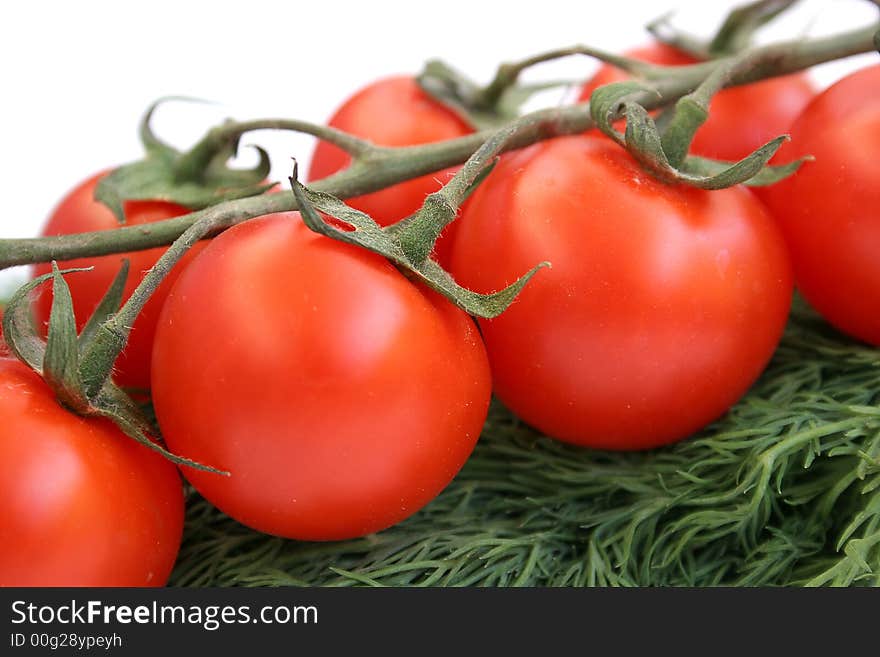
{"points": [[830, 209], [741, 119], [81, 504], [341, 397], [78, 212], [662, 306], [392, 112]]}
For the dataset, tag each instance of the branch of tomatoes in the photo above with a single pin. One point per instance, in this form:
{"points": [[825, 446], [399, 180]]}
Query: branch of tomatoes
{"points": [[77, 366], [379, 167], [665, 151], [734, 35], [499, 101], [487, 106], [79, 369]]}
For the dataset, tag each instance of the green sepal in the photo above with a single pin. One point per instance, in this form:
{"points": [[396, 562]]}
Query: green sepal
{"points": [[113, 404], [485, 306], [153, 179], [738, 29], [60, 360], [207, 161], [608, 101], [768, 175], [368, 234], [459, 94], [109, 304], [742, 171], [665, 155], [195, 179], [21, 335], [149, 140], [644, 142]]}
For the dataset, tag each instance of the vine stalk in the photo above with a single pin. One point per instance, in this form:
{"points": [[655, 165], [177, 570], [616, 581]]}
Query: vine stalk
{"points": [[374, 168]]}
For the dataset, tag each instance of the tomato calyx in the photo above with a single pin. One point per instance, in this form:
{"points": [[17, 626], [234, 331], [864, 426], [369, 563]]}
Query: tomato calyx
{"points": [[194, 179], [662, 146], [738, 29], [735, 34], [458, 93], [409, 242], [73, 365], [482, 107]]}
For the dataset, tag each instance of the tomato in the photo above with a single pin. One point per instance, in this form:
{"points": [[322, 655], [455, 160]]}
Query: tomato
{"points": [[79, 212], [81, 504], [662, 306], [392, 112], [741, 119], [340, 396], [829, 210]]}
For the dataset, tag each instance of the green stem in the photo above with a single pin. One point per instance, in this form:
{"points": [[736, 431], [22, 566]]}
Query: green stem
{"points": [[191, 165], [381, 167], [419, 232], [736, 33], [662, 30], [692, 110], [112, 335], [508, 73]]}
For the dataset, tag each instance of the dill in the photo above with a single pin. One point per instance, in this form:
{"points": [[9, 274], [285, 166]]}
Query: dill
{"points": [[782, 491]]}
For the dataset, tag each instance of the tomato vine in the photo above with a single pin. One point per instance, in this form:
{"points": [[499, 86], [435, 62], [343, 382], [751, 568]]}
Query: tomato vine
{"points": [[80, 369], [378, 167]]}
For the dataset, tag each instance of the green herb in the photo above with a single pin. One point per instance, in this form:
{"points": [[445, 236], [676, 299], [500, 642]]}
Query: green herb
{"points": [[783, 490]]}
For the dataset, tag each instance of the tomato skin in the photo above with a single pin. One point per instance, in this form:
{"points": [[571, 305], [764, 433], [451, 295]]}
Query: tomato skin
{"points": [[741, 119], [829, 210], [341, 397], [81, 504], [662, 306], [79, 212], [393, 111]]}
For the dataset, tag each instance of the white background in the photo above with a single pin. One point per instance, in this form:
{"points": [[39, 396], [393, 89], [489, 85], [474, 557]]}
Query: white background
{"points": [[76, 76]]}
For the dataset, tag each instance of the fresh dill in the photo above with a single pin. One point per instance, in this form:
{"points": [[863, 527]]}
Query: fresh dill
{"points": [[784, 490]]}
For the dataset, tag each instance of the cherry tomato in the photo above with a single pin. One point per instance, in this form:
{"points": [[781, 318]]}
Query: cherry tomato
{"points": [[830, 209], [81, 504], [662, 306], [340, 396], [79, 212], [392, 112], [741, 119]]}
